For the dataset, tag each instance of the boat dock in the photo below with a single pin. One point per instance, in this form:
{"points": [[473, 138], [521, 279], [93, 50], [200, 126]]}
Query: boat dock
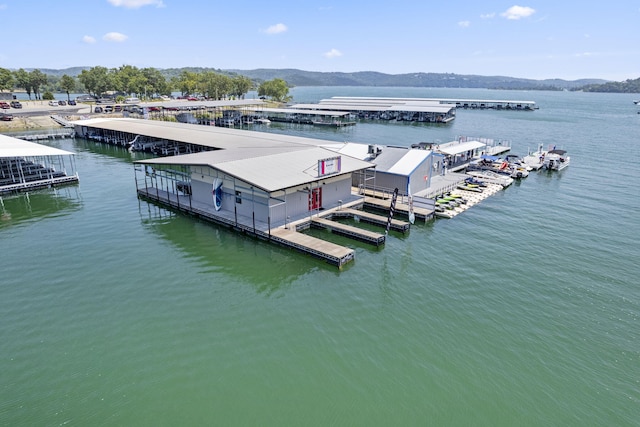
{"points": [[366, 236], [288, 235], [50, 134], [371, 218], [330, 252], [471, 198]]}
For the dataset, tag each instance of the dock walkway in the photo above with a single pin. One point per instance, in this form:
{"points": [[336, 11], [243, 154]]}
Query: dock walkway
{"points": [[371, 218], [287, 236], [366, 236]]}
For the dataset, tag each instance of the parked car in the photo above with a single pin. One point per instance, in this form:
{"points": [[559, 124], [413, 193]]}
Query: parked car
{"points": [[4, 105], [98, 110], [6, 117], [117, 108], [62, 102], [108, 109], [71, 102], [16, 104], [53, 103]]}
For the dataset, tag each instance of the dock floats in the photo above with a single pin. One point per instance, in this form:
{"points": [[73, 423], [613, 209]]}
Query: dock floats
{"points": [[471, 197]]}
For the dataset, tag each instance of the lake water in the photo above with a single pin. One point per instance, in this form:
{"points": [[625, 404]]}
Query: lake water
{"points": [[523, 310]]}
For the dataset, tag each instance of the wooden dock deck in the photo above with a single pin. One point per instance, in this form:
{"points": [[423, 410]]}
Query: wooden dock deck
{"points": [[330, 252], [288, 237], [401, 208], [349, 231], [371, 218]]}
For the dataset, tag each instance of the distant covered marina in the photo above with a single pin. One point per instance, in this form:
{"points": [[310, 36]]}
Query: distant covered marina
{"points": [[26, 165]]}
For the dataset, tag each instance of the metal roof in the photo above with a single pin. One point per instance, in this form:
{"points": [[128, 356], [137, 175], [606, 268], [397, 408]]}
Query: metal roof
{"points": [[271, 168], [401, 161], [186, 105], [460, 147], [14, 147], [268, 161], [208, 136], [300, 111], [378, 104]]}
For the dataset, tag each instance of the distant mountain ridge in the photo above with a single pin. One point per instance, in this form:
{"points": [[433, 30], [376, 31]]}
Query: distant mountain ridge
{"points": [[296, 77]]}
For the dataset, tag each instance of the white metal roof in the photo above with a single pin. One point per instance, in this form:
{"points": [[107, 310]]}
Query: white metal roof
{"points": [[270, 168], [300, 111], [208, 136], [410, 161], [268, 161], [460, 147], [401, 161], [14, 147]]}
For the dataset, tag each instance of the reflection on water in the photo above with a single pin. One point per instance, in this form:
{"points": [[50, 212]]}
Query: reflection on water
{"points": [[220, 250], [46, 203]]}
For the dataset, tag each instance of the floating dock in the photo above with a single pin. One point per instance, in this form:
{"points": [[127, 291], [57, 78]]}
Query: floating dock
{"points": [[287, 236], [366, 236], [472, 198], [371, 218]]}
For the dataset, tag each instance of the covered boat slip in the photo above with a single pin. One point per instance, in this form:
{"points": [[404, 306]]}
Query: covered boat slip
{"points": [[26, 165], [399, 109], [294, 115], [494, 104]]}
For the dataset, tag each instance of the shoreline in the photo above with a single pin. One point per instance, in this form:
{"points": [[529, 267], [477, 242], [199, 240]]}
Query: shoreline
{"points": [[36, 115]]}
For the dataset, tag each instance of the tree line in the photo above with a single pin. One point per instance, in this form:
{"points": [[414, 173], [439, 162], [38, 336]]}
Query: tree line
{"points": [[143, 83]]}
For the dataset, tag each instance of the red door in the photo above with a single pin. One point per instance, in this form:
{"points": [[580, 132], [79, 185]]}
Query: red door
{"points": [[315, 199]]}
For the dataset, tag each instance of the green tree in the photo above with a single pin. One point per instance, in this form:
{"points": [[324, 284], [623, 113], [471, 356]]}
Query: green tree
{"points": [[214, 85], [276, 89], [6, 79], [128, 79], [156, 82], [67, 84], [37, 78], [96, 80], [186, 83], [240, 86], [23, 81]]}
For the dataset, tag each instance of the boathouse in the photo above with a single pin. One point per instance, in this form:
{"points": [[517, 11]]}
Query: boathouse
{"points": [[267, 185], [27, 165]]}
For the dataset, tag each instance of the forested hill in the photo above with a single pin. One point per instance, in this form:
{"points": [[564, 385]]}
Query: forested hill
{"points": [[296, 77], [627, 86]]}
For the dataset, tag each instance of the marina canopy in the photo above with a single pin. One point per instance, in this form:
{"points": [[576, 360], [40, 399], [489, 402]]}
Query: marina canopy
{"points": [[216, 137], [14, 147], [194, 105], [418, 105], [460, 147], [267, 161], [301, 111]]}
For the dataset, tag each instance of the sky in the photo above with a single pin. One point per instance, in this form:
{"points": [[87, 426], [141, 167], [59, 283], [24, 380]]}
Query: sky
{"points": [[525, 39]]}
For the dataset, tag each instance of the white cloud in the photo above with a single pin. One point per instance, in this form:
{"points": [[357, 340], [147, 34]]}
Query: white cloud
{"points": [[114, 37], [584, 54], [333, 53], [135, 4], [276, 29], [488, 15], [88, 39], [464, 24], [3, 6], [517, 12]]}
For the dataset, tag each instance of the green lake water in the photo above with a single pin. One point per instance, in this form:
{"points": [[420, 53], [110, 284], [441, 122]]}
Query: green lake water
{"points": [[523, 310]]}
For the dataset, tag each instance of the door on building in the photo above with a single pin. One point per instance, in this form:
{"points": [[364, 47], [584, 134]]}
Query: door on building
{"points": [[315, 199]]}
